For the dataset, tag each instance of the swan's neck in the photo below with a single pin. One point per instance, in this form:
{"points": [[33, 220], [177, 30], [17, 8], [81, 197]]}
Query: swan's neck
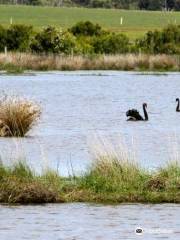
{"points": [[145, 113], [177, 108]]}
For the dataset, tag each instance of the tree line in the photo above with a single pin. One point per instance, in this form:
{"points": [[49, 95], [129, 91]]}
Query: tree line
{"points": [[86, 38], [125, 4]]}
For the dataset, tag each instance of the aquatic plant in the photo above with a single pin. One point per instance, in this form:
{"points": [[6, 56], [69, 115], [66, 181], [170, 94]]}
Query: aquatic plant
{"points": [[17, 116]]}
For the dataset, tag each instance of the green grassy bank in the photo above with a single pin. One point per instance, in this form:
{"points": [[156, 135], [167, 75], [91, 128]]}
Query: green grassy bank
{"points": [[108, 180], [135, 23]]}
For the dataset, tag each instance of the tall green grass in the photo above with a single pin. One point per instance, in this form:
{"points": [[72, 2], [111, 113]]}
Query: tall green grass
{"points": [[109, 180], [20, 185]]}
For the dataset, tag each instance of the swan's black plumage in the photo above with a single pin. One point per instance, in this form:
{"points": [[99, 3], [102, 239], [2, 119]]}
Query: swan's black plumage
{"points": [[177, 108], [134, 115]]}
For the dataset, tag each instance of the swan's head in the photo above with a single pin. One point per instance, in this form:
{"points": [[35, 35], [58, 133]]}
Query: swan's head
{"points": [[145, 105], [128, 113], [177, 99]]}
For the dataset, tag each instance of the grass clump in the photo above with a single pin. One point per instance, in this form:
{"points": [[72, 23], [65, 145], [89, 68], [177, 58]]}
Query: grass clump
{"points": [[17, 116], [13, 69], [110, 179], [20, 185], [111, 175]]}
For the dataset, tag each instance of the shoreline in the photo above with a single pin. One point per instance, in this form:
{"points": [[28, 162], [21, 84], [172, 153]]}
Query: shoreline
{"points": [[17, 63], [108, 181]]}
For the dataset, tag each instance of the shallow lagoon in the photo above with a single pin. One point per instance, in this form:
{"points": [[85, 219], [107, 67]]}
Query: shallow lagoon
{"points": [[83, 222], [78, 108], [81, 107]]}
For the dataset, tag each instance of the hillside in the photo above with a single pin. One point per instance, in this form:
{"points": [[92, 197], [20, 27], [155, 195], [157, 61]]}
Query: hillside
{"points": [[135, 23]]}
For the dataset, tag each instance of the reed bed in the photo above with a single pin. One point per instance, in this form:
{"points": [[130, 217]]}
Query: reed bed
{"points": [[17, 116], [17, 62]]}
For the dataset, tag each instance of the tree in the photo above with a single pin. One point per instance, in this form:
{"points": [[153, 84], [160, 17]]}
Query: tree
{"points": [[177, 5], [143, 4]]}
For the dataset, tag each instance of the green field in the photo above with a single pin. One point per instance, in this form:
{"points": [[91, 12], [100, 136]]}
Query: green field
{"points": [[135, 23]]}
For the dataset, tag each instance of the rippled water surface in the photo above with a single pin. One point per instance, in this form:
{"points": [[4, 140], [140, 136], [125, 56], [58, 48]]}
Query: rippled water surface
{"points": [[79, 107], [89, 222]]}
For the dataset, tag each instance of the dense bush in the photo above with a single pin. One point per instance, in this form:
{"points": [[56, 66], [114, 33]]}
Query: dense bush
{"points": [[52, 40], [87, 38], [177, 5], [111, 44], [3, 34], [18, 37], [159, 4], [101, 4], [84, 45], [86, 28], [165, 41]]}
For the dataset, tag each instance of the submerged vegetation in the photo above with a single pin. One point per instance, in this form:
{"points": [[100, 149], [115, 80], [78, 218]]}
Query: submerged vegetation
{"points": [[109, 179], [17, 116]]}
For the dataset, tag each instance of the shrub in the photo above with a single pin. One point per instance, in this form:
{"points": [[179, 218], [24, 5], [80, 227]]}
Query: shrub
{"points": [[101, 3], [17, 116], [165, 41], [111, 44], [19, 37], [52, 40], [3, 35], [84, 45], [86, 29]]}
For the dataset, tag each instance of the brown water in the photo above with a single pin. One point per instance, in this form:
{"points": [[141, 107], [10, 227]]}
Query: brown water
{"points": [[78, 105], [89, 222]]}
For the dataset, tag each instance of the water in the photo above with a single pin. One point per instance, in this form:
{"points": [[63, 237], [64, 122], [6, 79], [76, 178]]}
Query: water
{"points": [[79, 107], [83, 221]]}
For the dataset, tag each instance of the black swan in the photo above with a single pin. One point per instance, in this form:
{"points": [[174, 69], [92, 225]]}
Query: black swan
{"points": [[134, 115], [177, 108]]}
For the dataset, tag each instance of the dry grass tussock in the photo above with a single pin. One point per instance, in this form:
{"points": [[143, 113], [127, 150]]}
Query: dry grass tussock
{"points": [[17, 116], [16, 62]]}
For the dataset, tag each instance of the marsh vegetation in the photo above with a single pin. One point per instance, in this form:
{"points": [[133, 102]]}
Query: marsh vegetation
{"points": [[18, 62], [110, 179], [17, 116]]}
